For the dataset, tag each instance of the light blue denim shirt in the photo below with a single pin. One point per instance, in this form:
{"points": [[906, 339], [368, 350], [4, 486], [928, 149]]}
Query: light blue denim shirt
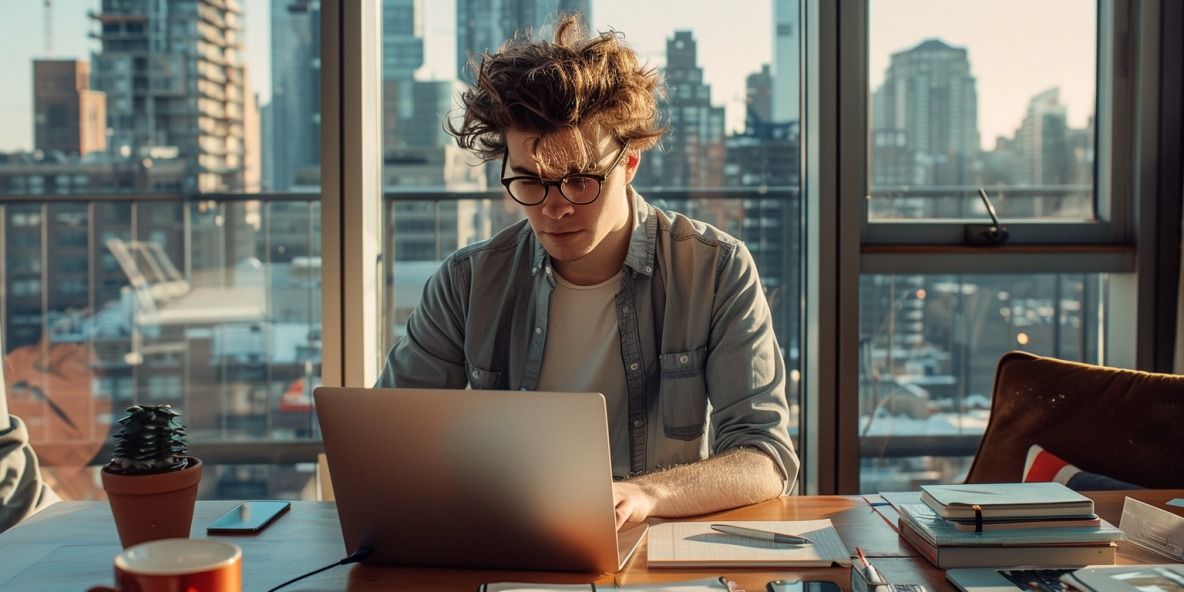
{"points": [[703, 368]]}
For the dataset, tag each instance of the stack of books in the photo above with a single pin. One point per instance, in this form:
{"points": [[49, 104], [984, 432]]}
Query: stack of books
{"points": [[1005, 524]]}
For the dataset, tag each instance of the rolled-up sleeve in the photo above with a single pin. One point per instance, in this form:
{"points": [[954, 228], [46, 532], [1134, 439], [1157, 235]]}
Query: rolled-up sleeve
{"points": [[431, 353], [745, 370]]}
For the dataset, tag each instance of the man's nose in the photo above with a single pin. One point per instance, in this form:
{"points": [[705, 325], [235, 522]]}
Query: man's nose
{"points": [[556, 206]]}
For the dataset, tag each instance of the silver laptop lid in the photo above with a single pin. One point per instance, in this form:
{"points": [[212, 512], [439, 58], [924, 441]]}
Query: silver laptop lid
{"points": [[470, 478]]}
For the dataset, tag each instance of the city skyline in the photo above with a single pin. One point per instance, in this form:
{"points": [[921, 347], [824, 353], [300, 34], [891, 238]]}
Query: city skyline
{"points": [[1004, 91]]}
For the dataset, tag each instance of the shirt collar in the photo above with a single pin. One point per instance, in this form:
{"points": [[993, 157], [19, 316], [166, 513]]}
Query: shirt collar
{"points": [[642, 241], [640, 257]]}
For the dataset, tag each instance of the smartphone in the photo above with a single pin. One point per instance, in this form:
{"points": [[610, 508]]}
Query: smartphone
{"points": [[248, 517], [800, 586]]}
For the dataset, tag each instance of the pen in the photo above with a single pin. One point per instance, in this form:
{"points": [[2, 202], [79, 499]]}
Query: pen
{"points": [[760, 535], [873, 575]]}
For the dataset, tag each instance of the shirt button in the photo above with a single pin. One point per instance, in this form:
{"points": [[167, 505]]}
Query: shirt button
{"points": [[538, 330], [476, 374], [638, 423], [648, 269], [633, 366], [683, 359], [624, 309]]}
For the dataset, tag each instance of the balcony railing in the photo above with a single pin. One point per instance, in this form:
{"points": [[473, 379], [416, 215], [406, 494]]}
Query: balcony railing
{"points": [[211, 302]]}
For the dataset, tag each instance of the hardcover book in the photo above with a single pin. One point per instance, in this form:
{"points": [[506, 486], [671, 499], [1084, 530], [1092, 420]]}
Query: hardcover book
{"points": [[992, 501], [939, 531], [949, 556]]}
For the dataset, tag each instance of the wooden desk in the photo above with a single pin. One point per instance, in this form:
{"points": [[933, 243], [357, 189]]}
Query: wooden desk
{"points": [[71, 545]]}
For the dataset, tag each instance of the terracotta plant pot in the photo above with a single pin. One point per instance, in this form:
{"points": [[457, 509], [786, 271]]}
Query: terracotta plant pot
{"points": [[151, 507]]}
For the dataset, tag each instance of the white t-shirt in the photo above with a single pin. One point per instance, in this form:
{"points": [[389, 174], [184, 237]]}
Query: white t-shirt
{"points": [[583, 354]]}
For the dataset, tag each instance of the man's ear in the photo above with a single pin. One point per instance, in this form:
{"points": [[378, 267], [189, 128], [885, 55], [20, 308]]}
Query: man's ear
{"points": [[632, 160]]}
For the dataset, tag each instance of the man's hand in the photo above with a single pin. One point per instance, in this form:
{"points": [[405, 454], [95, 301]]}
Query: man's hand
{"points": [[633, 503], [735, 478]]}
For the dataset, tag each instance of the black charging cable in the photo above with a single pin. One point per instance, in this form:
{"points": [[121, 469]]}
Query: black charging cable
{"points": [[360, 555]]}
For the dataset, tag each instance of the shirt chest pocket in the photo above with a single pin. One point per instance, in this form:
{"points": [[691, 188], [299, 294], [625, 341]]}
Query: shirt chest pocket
{"points": [[683, 394], [481, 379]]}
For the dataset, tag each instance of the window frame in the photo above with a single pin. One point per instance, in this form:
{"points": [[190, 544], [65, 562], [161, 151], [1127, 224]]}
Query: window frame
{"points": [[1113, 109], [351, 190], [846, 244]]}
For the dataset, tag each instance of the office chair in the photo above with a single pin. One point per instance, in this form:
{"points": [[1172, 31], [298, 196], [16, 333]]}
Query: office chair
{"points": [[1125, 424]]}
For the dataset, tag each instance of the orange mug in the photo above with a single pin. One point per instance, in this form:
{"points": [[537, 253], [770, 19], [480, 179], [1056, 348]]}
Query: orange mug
{"points": [[178, 565]]}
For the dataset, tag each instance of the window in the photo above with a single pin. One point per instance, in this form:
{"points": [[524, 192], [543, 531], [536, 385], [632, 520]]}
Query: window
{"points": [[853, 206], [201, 280], [928, 349], [956, 104], [948, 110]]}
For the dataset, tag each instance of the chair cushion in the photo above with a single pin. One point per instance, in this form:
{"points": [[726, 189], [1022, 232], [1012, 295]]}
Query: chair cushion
{"points": [[1122, 423], [1043, 465]]}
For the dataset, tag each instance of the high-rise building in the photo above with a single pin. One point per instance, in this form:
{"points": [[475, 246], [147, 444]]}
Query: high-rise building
{"points": [[767, 156], [484, 25], [929, 95], [175, 82], [692, 152], [419, 157], [1054, 161], [68, 116], [294, 114], [758, 98], [402, 38], [1043, 142], [787, 68]]}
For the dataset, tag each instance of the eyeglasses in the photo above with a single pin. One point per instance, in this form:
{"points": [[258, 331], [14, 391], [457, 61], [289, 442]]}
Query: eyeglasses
{"points": [[578, 188]]}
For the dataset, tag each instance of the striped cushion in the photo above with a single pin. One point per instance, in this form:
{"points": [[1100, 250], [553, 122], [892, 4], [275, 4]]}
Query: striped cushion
{"points": [[1042, 465]]}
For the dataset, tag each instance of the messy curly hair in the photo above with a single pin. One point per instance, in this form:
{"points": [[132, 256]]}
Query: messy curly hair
{"points": [[568, 83]]}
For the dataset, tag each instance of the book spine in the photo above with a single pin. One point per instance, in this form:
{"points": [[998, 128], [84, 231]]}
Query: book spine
{"points": [[925, 548]]}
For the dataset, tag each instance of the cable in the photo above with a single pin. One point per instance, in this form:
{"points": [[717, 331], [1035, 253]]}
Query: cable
{"points": [[360, 555]]}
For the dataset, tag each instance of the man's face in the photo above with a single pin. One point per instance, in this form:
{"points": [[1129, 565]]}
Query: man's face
{"points": [[575, 235]]}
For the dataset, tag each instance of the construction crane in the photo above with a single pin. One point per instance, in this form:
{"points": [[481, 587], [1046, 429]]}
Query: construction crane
{"points": [[47, 22]]}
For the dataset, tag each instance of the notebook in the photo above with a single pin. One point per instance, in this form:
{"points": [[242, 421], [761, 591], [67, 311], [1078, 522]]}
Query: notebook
{"points": [[471, 478], [1006, 500], [695, 544]]}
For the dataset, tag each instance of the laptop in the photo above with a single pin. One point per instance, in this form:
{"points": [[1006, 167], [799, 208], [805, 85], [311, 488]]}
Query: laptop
{"points": [[476, 479], [990, 579]]}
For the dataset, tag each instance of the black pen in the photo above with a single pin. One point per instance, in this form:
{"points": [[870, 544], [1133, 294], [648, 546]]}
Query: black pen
{"points": [[760, 535]]}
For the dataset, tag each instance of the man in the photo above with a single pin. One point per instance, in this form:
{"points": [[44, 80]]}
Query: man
{"points": [[599, 291], [22, 490]]}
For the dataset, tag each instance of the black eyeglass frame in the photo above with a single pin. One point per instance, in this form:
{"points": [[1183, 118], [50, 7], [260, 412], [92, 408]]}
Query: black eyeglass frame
{"points": [[558, 183]]}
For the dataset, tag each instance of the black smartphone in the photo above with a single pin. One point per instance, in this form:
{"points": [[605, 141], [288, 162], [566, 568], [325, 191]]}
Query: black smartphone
{"points": [[248, 517], [800, 586]]}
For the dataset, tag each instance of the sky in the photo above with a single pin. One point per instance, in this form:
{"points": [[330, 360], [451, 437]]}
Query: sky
{"points": [[1012, 58]]}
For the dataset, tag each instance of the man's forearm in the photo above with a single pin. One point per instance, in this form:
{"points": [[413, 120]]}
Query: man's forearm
{"points": [[736, 478]]}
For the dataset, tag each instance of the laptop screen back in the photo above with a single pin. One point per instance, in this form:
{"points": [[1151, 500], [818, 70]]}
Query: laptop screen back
{"points": [[468, 478]]}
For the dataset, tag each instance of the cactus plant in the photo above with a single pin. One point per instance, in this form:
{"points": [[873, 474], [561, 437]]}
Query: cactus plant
{"points": [[151, 441], [151, 482]]}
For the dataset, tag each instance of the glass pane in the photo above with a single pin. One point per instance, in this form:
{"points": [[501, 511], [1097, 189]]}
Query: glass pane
{"points": [[928, 349], [957, 104], [154, 270], [730, 158]]}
